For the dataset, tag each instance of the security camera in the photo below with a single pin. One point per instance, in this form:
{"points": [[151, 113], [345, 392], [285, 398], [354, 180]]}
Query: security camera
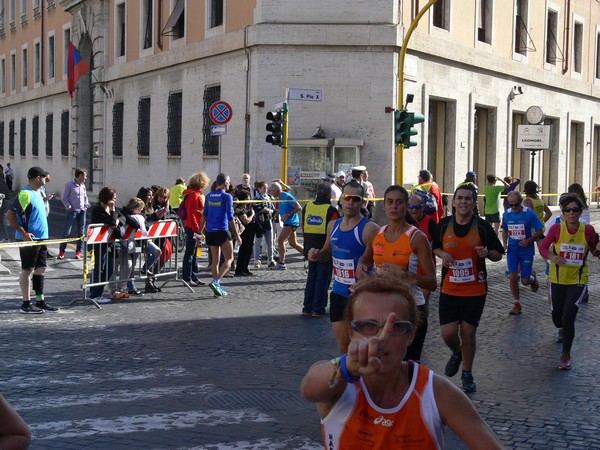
{"points": [[517, 90]]}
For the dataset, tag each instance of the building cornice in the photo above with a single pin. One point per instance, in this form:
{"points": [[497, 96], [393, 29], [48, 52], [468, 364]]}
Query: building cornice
{"points": [[68, 5]]}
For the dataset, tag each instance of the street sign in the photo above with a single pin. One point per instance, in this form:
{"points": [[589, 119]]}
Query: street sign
{"points": [[220, 112], [533, 137], [218, 130], [305, 95]]}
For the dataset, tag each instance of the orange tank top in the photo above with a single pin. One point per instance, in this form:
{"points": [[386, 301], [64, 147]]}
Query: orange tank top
{"points": [[357, 423], [399, 253], [467, 277]]}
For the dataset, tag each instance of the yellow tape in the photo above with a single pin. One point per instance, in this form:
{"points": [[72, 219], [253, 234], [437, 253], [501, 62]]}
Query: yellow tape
{"points": [[41, 242]]}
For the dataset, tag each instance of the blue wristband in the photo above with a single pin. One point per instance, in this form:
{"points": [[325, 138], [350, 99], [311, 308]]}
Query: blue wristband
{"points": [[349, 378]]}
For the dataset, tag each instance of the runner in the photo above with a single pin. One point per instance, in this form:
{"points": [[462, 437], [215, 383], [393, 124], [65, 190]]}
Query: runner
{"points": [[463, 242], [347, 239], [566, 247], [517, 225], [402, 244]]}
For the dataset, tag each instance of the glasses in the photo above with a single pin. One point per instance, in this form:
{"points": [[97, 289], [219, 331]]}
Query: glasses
{"points": [[575, 210], [354, 198], [514, 205], [372, 327], [410, 206]]}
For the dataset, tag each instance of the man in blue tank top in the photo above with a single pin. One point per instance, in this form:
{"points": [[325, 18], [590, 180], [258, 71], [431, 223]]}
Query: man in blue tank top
{"points": [[347, 239]]}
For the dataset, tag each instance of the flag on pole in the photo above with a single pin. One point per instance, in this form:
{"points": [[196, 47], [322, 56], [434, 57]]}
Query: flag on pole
{"points": [[76, 67]]}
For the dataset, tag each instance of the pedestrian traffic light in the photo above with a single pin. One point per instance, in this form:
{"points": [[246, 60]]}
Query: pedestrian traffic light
{"points": [[404, 122]]}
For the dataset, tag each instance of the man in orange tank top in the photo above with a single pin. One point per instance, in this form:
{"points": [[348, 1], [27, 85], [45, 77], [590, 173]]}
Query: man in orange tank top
{"points": [[463, 242]]}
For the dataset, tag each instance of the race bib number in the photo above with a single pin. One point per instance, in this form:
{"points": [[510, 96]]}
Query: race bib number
{"points": [[573, 254], [462, 271], [516, 231], [343, 271]]}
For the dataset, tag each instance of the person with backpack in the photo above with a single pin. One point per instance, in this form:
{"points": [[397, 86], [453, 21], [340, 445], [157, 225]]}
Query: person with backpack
{"points": [[190, 211], [427, 184], [28, 217]]}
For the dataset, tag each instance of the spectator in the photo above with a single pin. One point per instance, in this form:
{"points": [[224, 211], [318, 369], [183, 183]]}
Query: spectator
{"points": [[246, 186], [9, 176], [246, 214], [264, 224], [75, 200], [28, 217], [492, 193], [176, 191], [512, 185], [427, 184]]}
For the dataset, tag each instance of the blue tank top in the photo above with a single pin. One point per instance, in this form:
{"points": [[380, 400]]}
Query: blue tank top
{"points": [[346, 248]]}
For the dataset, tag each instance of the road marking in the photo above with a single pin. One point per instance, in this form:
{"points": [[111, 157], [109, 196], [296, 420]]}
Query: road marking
{"points": [[144, 423]]}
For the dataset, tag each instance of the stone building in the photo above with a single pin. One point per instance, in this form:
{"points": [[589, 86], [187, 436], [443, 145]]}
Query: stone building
{"points": [[142, 116]]}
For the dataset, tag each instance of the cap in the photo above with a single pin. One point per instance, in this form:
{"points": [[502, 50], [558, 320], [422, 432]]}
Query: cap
{"points": [[341, 173], [328, 177], [471, 174], [358, 168], [35, 172]]}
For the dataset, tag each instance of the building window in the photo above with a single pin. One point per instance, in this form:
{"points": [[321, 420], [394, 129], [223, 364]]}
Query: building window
{"points": [[577, 46], [13, 12], [24, 67], [176, 21], [24, 10], [2, 16], [66, 40], [521, 35], [13, 71], [551, 42], [216, 13], [2, 139], [484, 21], [11, 138], [210, 143], [36, 62], [174, 119], [64, 133], [117, 131], [22, 137], [3, 75], [598, 56], [35, 136], [441, 14], [51, 55], [144, 127], [147, 23], [49, 133], [120, 30]]}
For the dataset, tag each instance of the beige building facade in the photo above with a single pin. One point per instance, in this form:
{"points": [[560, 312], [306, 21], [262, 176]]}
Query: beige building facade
{"points": [[143, 116]]}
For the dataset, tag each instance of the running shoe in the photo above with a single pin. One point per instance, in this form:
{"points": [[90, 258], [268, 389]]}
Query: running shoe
{"points": [[46, 307], [534, 285], [271, 264], [102, 300], [257, 265], [61, 255], [516, 310], [468, 385], [565, 361], [453, 364], [118, 295], [214, 286], [77, 255], [279, 266], [30, 310]]}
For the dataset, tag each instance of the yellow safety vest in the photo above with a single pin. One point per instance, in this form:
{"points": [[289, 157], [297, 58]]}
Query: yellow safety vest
{"points": [[315, 218]]}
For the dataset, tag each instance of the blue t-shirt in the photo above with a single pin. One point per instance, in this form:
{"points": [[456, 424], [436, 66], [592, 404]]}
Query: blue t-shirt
{"points": [[346, 248], [218, 210], [288, 207], [519, 225], [30, 206]]}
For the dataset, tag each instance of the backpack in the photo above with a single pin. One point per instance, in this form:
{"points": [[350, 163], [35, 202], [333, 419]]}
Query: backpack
{"points": [[429, 201], [182, 211]]}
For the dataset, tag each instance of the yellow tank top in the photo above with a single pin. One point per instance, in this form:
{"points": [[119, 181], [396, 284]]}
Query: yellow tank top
{"points": [[573, 248]]}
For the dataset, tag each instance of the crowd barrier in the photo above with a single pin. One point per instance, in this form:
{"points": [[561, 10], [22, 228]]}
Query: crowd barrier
{"points": [[113, 262]]}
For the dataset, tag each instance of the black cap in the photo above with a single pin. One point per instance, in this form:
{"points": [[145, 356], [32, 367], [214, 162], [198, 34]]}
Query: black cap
{"points": [[35, 172]]}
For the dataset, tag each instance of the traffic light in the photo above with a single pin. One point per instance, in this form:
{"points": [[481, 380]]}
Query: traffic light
{"points": [[275, 128], [404, 122]]}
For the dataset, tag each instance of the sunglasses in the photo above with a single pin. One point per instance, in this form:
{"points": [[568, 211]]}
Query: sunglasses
{"points": [[514, 205], [575, 210], [372, 327], [414, 206], [354, 198]]}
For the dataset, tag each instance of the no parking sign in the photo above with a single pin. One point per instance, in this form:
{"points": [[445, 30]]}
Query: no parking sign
{"points": [[220, 112]]}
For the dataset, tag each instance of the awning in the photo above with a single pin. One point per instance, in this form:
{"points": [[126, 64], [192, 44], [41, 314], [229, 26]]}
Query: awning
{"points": [[174, 17]]}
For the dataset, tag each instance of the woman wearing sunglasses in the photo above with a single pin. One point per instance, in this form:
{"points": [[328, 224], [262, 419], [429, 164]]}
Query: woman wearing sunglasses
{"points": [[402, 244], [370, 395], [566, 247]]}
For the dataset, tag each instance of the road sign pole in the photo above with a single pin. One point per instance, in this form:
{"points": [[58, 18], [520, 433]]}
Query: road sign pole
{"points": [[532, 163], [400, 147], [284, 147]]}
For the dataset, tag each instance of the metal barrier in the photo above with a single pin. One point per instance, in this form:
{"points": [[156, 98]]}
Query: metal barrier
{"points": [[103, 254]]}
